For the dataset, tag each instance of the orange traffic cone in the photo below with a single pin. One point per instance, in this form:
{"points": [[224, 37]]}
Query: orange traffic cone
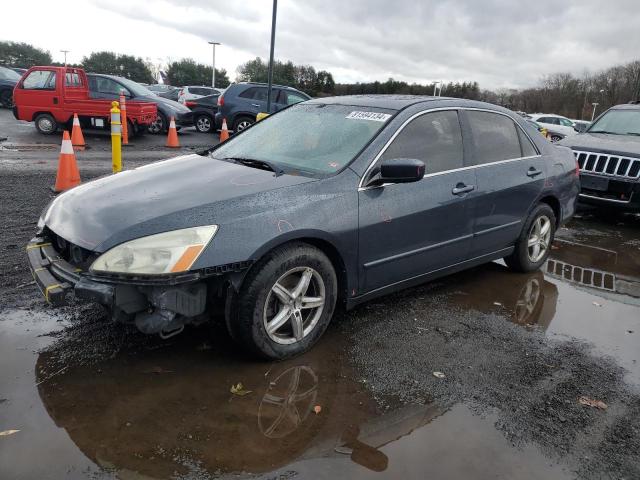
{"points": [[77, 139], [172, 138], [68, 175], [224, 132]]}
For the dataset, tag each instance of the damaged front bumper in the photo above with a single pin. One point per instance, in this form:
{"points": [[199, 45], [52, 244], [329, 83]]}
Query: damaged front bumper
{"points": [[161, 304]]}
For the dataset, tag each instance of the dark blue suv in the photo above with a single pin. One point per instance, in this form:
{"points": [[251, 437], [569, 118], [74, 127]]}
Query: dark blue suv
{"points": [[241, 102]]}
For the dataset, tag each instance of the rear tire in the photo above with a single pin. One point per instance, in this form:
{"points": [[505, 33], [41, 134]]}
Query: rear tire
{"points": [[46, 124], [286, 302], [242, 123], [204, 123], [534, 245]]}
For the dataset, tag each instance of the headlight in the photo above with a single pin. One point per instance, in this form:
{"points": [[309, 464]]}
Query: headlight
{"points": [[168, 252]]}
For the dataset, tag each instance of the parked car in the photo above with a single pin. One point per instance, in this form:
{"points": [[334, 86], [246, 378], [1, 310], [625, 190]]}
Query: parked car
{"points": [[609, 157], [8, 80], [559, 127], [171, 94], [193, 92], [581, 125], [159, 88], [204, 112], [333, 200], [50, 96], [109, 86], [241, 102], [19, 70]]}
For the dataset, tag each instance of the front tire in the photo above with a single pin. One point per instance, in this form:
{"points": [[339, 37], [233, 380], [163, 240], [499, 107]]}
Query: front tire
{"points": [[286, 302], [46, 124], [159, 125], [534, 244]]}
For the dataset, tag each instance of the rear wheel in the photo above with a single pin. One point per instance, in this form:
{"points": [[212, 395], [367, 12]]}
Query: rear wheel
{"points": [[285, 303], [204, 123], [242, 122], [555, 138], [46, 124], [6, 98], [533, 246]]}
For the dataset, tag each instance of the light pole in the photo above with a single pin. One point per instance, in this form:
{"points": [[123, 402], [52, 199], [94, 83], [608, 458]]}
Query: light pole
{"points": [[273, 41], [594, 110], [435, 85], [213, 66], [65, 56]]}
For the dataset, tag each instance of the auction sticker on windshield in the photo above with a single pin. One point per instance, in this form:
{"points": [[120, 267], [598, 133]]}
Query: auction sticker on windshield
{"points": [[374, 116]]}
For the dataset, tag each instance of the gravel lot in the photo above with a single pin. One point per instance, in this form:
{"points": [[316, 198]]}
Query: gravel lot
{"points": [[516, 353]]}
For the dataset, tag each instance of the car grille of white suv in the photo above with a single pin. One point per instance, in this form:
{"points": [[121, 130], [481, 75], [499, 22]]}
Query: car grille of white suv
{"points": [[614, 165]]}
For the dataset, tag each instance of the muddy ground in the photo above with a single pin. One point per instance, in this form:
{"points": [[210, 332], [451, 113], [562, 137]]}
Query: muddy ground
{"points": [[517, 351]]}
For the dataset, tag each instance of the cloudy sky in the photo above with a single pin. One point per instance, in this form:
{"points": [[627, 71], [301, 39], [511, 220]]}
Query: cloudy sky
{"points": [[499, 43]]}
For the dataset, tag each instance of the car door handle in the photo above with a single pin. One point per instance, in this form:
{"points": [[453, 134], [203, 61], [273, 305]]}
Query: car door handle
{"points": [[55, 100], [533, 172], [461, 188], [255, 105]]}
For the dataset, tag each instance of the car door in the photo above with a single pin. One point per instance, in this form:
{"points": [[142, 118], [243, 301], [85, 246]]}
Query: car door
{"points": [[44, 92], [510, 176], [409, 229]]}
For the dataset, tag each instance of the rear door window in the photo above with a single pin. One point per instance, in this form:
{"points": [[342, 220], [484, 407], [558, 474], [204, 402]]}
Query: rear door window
{"points": [[495, 137], [40, 80], [435, 138], [255, 93]]}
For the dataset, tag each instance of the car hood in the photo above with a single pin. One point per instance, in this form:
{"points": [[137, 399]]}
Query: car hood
{"points": [[182, 192], [603, 142], [175, 106]]}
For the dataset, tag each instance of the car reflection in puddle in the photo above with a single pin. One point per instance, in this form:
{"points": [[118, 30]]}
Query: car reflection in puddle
{"points": [[166, 412]]}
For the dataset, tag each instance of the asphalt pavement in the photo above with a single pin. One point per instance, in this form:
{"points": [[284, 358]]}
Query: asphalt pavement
{"points": [[485, 374]]}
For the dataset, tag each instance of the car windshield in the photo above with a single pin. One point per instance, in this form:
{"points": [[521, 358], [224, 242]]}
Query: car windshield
{"points": [[313, 138], [8, 74], [619, 122], [135, 87]]}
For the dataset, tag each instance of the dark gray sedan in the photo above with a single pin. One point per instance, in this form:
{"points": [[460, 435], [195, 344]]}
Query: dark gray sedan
{"points": [[335, 200]]}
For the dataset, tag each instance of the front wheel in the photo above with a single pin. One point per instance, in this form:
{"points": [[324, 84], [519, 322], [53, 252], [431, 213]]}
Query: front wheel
{"points": [[159, 125], [533, 247], [555, 138], [46, 124], [285, 303]]}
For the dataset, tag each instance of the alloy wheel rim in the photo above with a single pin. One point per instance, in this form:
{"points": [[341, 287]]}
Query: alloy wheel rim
{"points": [[294, 305], [539, 239], [45, 125], [203, 124], [244, 124], [157, 125]]}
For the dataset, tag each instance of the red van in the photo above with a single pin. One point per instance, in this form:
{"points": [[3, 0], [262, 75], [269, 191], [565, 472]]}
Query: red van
{"points": [[49, 96]]}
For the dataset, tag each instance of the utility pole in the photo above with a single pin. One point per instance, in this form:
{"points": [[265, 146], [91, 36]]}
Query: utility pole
{"points": [[273, 40], [593, 115], [213, 65], [65, 56]]}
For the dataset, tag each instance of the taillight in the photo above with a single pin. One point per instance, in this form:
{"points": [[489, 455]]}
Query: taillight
{"points": [[220, 101], [189, 103], [577, 169]]}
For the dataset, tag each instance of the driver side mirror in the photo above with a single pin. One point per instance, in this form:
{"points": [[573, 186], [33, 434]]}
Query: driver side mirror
{"points": [[399, 170]]}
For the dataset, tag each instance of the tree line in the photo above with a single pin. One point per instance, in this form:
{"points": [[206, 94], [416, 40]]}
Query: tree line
{"points": [[561, 93]]}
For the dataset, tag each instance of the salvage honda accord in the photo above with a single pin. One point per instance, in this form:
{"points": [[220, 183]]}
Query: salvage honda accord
{"points": [[331, 201]]}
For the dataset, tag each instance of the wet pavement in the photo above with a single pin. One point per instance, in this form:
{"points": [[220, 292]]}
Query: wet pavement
{"points": [[96, 400]]}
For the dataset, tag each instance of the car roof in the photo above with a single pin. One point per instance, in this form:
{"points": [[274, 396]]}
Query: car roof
{"points": [[547, 115], [260, 84], [391, 102], [627, 106]]}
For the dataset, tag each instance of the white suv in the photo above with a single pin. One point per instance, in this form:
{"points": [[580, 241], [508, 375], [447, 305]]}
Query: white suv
{"points": [[193, 92], [559, 127]]}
